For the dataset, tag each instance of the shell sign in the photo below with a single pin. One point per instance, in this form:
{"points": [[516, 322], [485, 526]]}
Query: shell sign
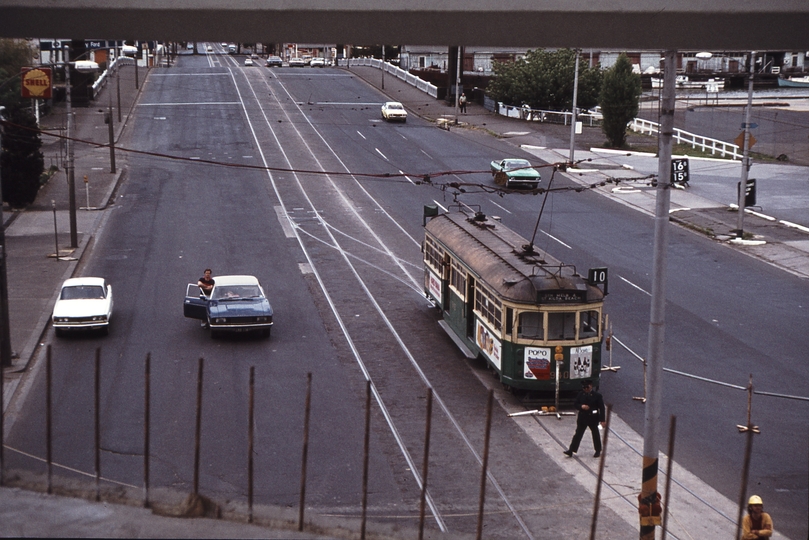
{"points": [[36, 83]]}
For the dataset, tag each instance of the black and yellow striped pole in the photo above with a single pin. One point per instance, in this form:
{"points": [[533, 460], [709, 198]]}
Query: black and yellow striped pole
{"points": [[649, 499]]}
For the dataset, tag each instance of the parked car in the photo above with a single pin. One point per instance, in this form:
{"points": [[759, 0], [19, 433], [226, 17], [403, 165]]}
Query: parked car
{"points": [[236, 304], [248, 61], [274, 61], [393, 110], [317, 62], [513, 172], [83, 304], [296, 61]]}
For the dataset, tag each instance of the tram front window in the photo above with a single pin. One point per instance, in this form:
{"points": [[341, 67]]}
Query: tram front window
{"points": [[530, 325], [589, 324], [561, 325]]}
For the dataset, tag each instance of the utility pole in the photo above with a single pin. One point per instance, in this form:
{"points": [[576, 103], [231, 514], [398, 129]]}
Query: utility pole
{"points": [[649, 498], [746, 148], [5, 331], [457, 82], [71, 183], [573, 117]]}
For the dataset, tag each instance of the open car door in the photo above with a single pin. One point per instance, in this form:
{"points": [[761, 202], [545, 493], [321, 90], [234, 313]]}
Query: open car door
{"points": [[195, 305]]}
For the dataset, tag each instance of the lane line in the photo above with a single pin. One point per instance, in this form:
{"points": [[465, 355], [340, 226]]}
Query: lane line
{"points": [[635, 286]]}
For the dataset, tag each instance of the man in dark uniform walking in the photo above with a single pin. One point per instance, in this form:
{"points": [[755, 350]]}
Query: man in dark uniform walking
{"points": [[591, 409]]}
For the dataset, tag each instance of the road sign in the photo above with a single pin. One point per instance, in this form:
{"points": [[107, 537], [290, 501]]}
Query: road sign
{"points": [[749, 192], [680, 171], [740, 141]]}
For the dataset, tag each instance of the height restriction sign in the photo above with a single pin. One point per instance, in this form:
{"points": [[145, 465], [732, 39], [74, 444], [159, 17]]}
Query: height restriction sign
{"points": [[36, 83]]}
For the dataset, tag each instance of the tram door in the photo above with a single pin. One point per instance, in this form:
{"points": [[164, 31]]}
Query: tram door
{"points": [[469, 311]]}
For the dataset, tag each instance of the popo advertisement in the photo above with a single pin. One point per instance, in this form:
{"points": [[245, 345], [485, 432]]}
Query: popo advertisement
{"points": [[537, 363]]}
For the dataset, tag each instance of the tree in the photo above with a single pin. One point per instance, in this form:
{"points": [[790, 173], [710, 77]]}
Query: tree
{"points": [[544, 80], [620, 96], [22, 161]]}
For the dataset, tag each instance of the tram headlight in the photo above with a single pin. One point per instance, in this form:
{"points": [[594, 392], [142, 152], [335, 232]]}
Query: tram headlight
{"points": [[558, 354]]}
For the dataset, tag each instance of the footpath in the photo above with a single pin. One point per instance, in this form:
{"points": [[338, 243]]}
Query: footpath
{"points": [[38, 234]]}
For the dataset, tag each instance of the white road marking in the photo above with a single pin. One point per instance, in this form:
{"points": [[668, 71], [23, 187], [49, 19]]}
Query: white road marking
{"points": [[633, 285]]}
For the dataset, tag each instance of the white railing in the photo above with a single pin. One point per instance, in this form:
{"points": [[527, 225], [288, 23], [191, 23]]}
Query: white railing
{"points": [[397, 72], [705, 144], [105, 76]]}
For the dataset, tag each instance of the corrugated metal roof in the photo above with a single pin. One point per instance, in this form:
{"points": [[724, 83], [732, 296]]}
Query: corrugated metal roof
{"points": [[501, 259]]}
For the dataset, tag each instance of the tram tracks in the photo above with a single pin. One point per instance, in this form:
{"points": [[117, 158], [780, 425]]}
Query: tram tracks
{"points": [[369, 328]]}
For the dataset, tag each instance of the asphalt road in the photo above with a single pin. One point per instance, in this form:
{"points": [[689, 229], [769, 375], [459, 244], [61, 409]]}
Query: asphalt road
{"points": [[339, 257]]}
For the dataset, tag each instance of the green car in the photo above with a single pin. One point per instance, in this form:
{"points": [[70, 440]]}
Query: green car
{"points": [[514, 172]]}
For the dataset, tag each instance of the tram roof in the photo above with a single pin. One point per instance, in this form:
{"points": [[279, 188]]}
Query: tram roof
{"points": [[499, 257]]}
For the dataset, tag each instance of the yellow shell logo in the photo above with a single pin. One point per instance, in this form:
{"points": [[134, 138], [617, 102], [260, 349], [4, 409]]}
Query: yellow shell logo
{"points": [[36, 82]]}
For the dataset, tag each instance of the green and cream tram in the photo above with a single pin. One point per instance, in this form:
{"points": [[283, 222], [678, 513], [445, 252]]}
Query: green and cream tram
{"points": [[531, 317]]}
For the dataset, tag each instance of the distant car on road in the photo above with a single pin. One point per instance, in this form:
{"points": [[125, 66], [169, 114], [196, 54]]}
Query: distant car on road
{"points": [[83, 304], [514, 172], [236, 304], [296, 61], [393, 110], [317, 62], [209, 48], [274, 61], [248, 61]]}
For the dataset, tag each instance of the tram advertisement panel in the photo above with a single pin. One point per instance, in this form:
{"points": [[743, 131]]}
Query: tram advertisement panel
{"points": [[537, 363], [488, 344], [581, 362], [434, 286]]}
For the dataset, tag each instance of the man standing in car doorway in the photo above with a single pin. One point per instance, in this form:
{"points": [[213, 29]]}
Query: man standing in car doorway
{"points": [[591, 409]]}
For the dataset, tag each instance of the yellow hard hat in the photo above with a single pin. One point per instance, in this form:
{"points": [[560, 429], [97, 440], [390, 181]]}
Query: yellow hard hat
{"points": [[755, 499]]}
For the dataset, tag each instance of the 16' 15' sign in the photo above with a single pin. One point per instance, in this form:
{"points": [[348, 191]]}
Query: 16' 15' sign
{"points": [[679, 171]]}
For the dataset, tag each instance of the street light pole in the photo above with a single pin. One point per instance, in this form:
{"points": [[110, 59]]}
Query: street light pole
{"points": [[71, 183]]}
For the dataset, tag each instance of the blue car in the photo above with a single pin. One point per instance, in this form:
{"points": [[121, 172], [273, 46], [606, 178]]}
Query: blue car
{"points": [[236, 304]]}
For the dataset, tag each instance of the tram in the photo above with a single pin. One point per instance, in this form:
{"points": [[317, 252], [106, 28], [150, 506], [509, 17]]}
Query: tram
{"points": [[536, 322]]}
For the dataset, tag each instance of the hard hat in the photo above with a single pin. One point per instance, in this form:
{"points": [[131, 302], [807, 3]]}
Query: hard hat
{"points": [[755, 499]]}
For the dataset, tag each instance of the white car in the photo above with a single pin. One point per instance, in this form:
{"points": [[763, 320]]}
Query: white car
{"points": [[83, 304], [317, 62], [248, 62], [393, 110], [296, 61]]}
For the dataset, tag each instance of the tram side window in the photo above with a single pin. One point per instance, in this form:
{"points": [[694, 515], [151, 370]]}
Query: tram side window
{"points": [[488, 308], [588, 321], [457, 277], [530, 325], [561, 325], [433, 255]]}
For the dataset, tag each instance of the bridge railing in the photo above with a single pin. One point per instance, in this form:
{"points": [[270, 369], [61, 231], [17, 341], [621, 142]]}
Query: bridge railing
{"points": [[409, 78]]}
